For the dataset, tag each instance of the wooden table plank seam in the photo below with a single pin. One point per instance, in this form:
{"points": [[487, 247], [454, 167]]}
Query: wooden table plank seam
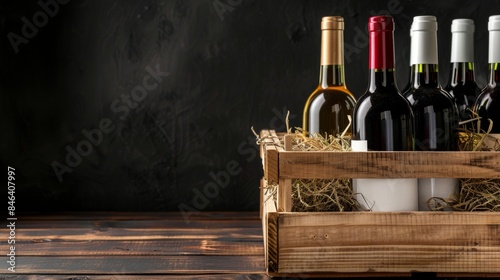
{"points": [[121, 245]]}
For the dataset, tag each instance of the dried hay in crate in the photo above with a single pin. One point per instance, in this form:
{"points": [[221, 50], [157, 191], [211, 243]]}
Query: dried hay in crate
{"points": [[475, 194], [318, 195]]}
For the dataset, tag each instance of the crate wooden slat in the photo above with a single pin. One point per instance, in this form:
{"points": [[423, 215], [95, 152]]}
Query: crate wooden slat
{"points": [[270, 147], [384, 242], [327, 165], [378, 244]]}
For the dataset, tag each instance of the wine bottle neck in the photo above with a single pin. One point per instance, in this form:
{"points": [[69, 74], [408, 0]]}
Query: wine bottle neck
{"points": [[382, 78], [461, 73], [424, 48], [332, 58], [381, 50], [332, 47], [381, 55], [331, 75], [462, 40], [424, 75], [494, 77], [493, 51], [494, 45]]}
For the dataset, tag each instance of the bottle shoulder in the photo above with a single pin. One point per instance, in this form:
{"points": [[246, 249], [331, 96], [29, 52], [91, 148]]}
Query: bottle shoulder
{"points": [[425, 96], [332, 93], [383, 101], [490, 89], [490, 93], [391, 95], [467, 86], [464, 91]]}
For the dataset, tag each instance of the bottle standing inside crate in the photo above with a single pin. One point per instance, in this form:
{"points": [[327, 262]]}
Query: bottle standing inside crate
{"points": [[328, 107], [487, 105], [436, 116], [383, 121], [462, 84]]}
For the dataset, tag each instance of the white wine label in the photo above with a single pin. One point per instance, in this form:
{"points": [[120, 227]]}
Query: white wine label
{"points": [[445, 188], [386, 195]]}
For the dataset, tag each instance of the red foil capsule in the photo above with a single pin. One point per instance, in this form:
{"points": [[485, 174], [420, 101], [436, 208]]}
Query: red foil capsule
{"points": [[381, 47]]}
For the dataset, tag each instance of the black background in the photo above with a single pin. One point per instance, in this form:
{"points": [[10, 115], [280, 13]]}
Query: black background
{"points": [[231, 64]]}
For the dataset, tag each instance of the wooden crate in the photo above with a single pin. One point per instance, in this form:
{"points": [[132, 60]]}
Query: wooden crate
{"points": [[334, 244]]}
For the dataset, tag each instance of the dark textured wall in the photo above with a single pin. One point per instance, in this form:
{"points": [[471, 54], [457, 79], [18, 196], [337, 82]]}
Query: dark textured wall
{"points": [[202, 73]]}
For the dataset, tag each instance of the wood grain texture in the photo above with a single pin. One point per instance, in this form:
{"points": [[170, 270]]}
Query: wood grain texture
{"points": [[367, 242], [109, 246], [328, 165], [285, 195], [141, 264], [216, 276], [262, 190], [269, 205], [176, 247], [351, 276], [71, 234], [272, 147], [272, 244], [287, 140], [333, 244]]}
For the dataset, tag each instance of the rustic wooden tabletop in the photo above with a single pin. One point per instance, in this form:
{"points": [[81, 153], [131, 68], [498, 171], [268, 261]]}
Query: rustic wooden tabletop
{"points": [[211, 245], [97, 246]]}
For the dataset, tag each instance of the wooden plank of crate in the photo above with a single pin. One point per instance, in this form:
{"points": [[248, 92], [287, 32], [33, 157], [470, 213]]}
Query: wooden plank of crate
{"points": [[262, 197], [328, 165], [268, 206], [287, 140], [264, 136], [272, 246], [271, 147], [272, 164], [378, 242], [285, 195]]}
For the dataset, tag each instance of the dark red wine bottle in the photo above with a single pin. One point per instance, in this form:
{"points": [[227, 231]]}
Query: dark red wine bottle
{"points": [[384, 119], [382, 116], [462, 84]]}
